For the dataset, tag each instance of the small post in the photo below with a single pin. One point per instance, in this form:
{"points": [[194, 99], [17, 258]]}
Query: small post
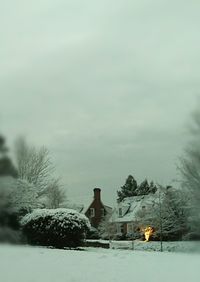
{"points": [[161, 227], [132, 244]]}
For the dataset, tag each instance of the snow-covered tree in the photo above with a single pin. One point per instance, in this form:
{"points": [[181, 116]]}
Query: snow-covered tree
{"points": [[36, 171], [107, 229], [167, 214], [24, 196], [152, 187], [173, 214], [189, 168], [33, 164], [143, 188], [17, 197], [129, 189], [55, 194]]}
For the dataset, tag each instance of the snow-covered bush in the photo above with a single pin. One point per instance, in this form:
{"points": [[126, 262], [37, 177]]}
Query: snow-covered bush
{"points": [[55, 227]]}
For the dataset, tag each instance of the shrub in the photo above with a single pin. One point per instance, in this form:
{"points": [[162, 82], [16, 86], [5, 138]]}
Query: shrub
{"points": [[192, 236], [9, 218], [9, 235], [92, 233], [57, 228]]}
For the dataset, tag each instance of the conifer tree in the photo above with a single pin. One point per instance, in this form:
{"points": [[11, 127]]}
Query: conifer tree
{"points": [[143, 188], [129, 189], [6, 166]]}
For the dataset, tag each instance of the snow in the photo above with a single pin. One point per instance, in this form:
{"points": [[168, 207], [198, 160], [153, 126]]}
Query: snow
{"points": [[175, 246], [137, 245], [34, 264], [17, 193], [60, 214], [132, 205]]}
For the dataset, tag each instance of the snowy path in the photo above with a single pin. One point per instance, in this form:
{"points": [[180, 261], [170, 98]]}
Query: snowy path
{"points": [[27, 264]]}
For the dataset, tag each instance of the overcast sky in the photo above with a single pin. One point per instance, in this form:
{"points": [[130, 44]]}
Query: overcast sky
{"points": [[106, 85]]}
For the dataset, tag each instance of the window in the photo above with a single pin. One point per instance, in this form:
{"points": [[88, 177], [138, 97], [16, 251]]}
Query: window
{"points": [[102, 212], [120, 212], [92, 212], [129, 228], [120, 228]]}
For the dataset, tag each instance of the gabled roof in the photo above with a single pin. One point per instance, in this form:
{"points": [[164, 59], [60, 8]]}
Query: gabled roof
{"points": [[108, 209], [86, 202], [132, 205], [83, 203]]}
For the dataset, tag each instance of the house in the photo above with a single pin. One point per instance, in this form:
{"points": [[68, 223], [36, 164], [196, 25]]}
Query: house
{"points": [[94, 208], [131, 214], [96, 211]]}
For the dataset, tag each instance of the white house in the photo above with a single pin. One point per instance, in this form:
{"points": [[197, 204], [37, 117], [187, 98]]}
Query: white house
{"points": [[129, 215]]}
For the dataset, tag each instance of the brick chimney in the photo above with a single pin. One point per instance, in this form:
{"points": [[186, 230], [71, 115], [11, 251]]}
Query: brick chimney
{"points": [[97, 194]]}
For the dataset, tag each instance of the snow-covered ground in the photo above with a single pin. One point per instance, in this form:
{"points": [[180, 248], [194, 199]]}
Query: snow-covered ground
{"points": [[137, 245], [34, 264], [177, 246]]}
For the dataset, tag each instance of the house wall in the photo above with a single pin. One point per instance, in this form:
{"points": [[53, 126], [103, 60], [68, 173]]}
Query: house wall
{"points": [[121, 228], [98, 207], [127, 228]]}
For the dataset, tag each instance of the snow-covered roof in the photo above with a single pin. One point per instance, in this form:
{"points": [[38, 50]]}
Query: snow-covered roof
{"points": [[108, 209], [132, 205]]}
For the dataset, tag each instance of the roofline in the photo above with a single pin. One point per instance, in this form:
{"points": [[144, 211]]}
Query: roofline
{"points": [[92, 203]]}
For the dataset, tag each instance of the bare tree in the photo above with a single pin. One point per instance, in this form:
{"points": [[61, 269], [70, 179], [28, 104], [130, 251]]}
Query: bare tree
{"points": [[56, 195], [189, 169], [33, 164], [166, 214], [190, 161]]}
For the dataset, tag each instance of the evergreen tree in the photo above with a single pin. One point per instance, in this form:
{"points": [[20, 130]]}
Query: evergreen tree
{"points": [[6, 166], [152, 187], [7, 216], [143, 188], [129, 189]]}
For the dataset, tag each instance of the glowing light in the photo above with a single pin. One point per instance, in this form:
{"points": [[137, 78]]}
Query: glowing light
{"points": [[148, 231]]}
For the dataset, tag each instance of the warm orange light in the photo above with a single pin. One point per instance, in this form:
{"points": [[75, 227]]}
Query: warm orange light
{"points": [[148, 231]]}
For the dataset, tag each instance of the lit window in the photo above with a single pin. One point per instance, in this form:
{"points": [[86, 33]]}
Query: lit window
{"points": [[92, 212]]}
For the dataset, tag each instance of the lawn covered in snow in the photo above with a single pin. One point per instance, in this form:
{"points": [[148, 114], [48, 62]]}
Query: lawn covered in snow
{"points": [[35, 264], [176, 246]]}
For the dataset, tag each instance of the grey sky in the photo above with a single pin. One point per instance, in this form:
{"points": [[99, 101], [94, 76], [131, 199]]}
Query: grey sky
{"points": [[106, 85]]}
